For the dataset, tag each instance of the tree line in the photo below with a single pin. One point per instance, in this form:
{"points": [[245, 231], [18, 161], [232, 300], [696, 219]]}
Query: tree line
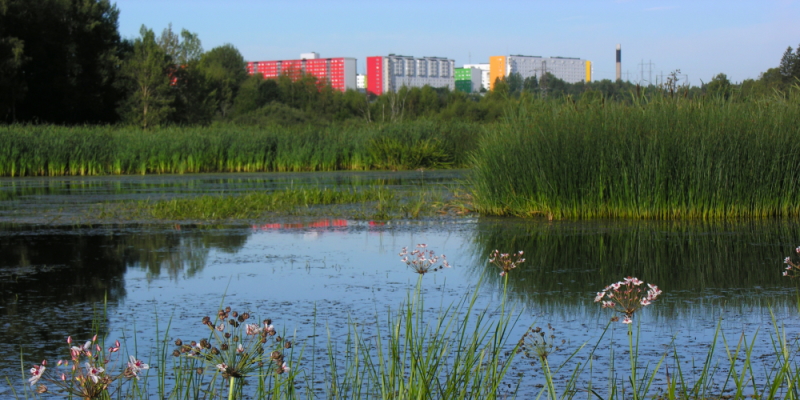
{"points": [[64, 62]]}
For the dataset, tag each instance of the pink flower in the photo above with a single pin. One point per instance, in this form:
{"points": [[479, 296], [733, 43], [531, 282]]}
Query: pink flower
{"points": [[114, 348], [135, 366], [36, 373], [221, 327], [94, 372], [627, 320], [599, 296], [222, 367]]}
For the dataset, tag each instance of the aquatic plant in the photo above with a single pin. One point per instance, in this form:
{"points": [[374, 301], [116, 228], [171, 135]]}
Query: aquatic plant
{"points": [[658, 159], [506, 262], [423, 261], [627, 296], [792, 268], [88, 374], [238, 350]]}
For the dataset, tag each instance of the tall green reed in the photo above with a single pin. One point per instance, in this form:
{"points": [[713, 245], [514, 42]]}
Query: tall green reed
{"points": [[47, 150], [664, 158]]}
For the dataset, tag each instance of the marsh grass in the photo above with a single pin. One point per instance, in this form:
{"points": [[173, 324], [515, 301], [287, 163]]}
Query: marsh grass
{"points": [[379, 202], [662, 158], [46, 150]]}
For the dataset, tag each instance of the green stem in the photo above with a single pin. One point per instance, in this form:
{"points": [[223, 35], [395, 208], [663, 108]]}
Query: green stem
{"points": [[633, 361], [230, 391], [551, 388]]}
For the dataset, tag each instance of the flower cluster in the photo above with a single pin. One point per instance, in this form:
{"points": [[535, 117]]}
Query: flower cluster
{"points": [[238, 348], [423, 261], [506, 262], [88, 373], [537, 343], [792, 269], [627, 296]]}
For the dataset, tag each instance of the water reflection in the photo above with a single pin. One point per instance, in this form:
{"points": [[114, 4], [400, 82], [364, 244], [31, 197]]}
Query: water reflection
{"points": [[721, 262], [57, 282]]}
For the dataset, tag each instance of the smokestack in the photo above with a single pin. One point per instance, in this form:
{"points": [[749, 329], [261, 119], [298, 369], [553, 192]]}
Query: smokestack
{"points": [[619, 62]]}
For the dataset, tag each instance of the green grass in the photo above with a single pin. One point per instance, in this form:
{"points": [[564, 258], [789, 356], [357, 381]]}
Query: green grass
{"points": [[375, 202], [664, 158], [46, 150]]}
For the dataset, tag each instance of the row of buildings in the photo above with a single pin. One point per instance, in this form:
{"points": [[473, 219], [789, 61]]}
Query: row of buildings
{"points": [[390, 73]]}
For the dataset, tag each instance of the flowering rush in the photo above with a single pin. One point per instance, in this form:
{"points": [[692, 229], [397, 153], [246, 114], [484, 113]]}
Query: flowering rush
{"points": [[792, 269], [506, 262], [422, 261], [627, 297]]}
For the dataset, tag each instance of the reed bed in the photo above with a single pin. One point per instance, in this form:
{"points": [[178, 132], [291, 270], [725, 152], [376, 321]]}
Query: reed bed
{"points": [[662, 158], [47, 150]]}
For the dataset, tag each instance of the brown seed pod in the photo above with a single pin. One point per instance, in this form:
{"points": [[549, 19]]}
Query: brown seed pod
{"points": [[178, 342], [176, 353], [199, 371], [224, 347], [287, 345], [235, 314]]}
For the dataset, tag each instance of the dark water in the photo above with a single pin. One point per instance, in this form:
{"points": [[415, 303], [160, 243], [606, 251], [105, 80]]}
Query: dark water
{"points": [[310, 277]]}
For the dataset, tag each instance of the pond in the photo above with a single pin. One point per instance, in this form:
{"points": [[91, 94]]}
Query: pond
{"points": [[61, 276]]}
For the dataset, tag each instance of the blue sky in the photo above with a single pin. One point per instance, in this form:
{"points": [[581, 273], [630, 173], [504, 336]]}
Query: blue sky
{"points": [[701, 38]]}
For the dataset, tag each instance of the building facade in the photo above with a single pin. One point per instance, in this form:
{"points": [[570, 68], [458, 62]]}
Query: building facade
{"points": [[485, 82], [339, 72], [390, 73], [570, 70], [468, 80]]}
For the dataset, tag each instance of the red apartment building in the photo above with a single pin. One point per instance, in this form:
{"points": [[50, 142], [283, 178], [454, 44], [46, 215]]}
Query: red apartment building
{"points": [[339, 72]]}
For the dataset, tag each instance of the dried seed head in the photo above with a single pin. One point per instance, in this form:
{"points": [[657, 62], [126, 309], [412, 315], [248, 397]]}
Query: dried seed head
{"points": [[235, 314], [240, 319], [275, 355], [178, 342], [176, 353], [224, 347], [199, 371], [206, 320], [245, 315], [278, 339], [227, 309], [41, 389], [227, 335], [214, 350], [287, 345]]}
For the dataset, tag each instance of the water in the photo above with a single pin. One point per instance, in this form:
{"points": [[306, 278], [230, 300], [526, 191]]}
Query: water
{"points": [[313, 276]]}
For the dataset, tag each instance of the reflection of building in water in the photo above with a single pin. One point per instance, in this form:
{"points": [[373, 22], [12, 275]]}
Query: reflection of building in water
{"points": [[324, 223]]}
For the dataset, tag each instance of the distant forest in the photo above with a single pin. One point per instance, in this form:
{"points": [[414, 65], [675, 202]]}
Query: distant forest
{"points": [[64, 62]]}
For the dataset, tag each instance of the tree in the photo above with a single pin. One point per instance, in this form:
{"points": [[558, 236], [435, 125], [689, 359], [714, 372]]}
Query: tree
{"points": [[224, 70], [515, 84], [531, 84], [787, 65], [58, 60], [719, 86], [146, 80]]}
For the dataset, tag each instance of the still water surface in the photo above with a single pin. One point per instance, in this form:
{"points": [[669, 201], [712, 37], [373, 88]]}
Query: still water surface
{"points": [[312, 276]]}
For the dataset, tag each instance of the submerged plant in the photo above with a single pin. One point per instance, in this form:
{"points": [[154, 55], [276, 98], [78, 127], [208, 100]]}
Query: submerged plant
{"points": [[627, 297], [423, 261], [88, 374]]}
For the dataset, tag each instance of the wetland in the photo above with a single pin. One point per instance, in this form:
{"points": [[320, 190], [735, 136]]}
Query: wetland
{"points": [[323, 273]]}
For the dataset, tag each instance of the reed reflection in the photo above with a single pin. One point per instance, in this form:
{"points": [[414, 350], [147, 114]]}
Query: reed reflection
{"points": [[736, 264]]}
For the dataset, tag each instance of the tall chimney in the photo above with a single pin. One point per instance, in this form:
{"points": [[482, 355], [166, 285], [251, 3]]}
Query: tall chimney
{"points": [[619, 62]]}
